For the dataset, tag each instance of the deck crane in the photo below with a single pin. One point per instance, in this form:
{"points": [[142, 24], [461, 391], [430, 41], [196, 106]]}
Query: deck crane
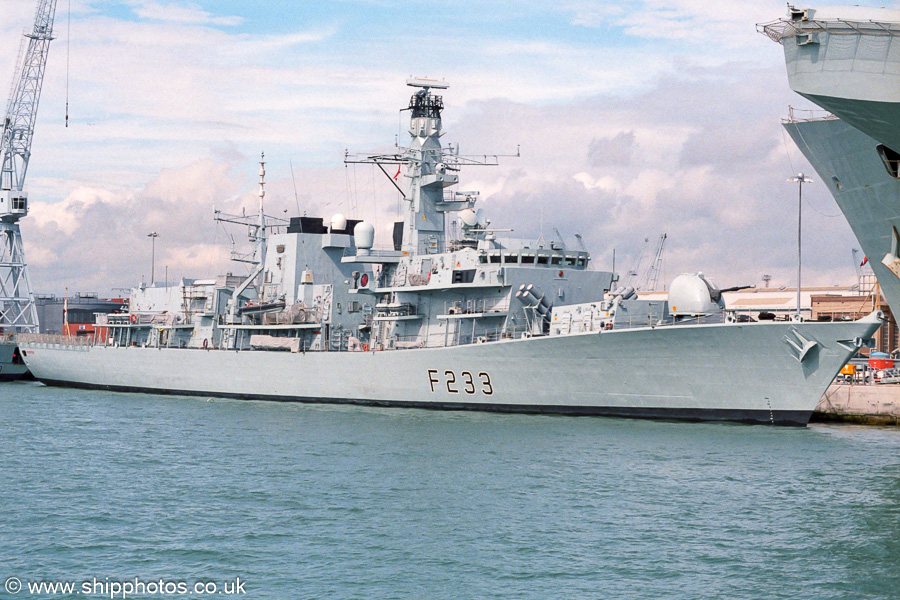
{"points": [[17, 309], [651, 279]]}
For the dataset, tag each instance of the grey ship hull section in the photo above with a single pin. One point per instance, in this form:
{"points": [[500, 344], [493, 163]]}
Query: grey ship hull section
{"points": [[854, 74], [846, 160], [10, 371], [694, 372]]}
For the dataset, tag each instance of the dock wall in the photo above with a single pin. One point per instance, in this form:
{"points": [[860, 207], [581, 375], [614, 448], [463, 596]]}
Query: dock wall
{"points": [[868, 404]]}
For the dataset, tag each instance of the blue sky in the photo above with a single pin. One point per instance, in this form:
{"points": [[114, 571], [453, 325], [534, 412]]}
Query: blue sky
{"points": [[170, 104]]}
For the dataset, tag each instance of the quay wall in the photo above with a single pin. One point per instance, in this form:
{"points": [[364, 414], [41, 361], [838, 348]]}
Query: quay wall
{"points": [[871, 404]]}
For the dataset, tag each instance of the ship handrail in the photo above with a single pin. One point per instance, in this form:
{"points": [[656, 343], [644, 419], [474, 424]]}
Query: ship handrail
{"points": [[780, 29], [55, 338]]}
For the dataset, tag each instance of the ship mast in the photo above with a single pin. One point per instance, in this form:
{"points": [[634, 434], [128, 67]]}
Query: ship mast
{"points": [[261, 224], [17, 308], [257, 226], [430, 170], [423, 226]]}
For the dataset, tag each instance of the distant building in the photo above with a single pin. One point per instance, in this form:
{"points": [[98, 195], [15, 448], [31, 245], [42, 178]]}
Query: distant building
{"points": [[82, 308], [849, 308]]}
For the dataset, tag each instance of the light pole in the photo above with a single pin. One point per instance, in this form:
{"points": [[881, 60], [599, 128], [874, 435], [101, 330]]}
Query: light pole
{"points": [[152, 235], [800, 179]]}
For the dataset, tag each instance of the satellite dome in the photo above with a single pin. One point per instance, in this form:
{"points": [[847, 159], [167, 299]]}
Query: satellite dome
{"points": [[365, 235], [338, 221], [469, 217]]}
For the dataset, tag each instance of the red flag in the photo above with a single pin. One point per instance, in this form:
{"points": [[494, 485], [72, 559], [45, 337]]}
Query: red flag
{"points": [[865, 260], [398, 172]]}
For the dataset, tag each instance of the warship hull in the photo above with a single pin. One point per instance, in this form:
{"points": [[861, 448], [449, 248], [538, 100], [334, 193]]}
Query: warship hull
{"points": [[10, 370], [847, 61], [846, 160], [771, 373]]}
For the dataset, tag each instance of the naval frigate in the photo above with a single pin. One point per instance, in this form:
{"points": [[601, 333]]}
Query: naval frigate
{"points": [[452, 314], [847, 61]]}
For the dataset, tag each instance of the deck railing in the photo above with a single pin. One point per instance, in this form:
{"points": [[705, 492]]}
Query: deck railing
{"points": [[52, 338]]}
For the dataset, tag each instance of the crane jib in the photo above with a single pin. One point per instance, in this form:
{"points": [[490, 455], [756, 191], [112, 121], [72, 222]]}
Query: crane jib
{"points": [[18, 312]]}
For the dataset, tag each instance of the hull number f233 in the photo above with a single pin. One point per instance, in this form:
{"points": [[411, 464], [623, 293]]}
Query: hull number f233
{"points": [[464, 383]]}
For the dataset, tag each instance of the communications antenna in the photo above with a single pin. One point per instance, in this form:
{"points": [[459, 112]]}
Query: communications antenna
{"points": [[17, 309]]}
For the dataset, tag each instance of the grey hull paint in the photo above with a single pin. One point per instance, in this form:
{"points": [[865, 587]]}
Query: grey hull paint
{"points": [[695, 372], [10, 371], [855, 75], [877, 120], [846, 160], [775, 417]]}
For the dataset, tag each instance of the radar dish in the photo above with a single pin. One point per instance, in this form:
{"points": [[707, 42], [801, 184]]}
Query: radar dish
{"points": [[482, 218], [469, 217], [425, 82]]}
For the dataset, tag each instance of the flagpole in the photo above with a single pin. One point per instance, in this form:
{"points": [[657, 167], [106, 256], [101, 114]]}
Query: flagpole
{"points": [[66, 313]]}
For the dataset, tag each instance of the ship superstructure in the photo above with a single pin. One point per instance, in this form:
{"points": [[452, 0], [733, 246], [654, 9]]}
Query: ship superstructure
{"points": [[453, 314]]}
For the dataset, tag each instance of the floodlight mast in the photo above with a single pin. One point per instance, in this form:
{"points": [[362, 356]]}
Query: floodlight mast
{"points": [[800, 179], [18, 313]]}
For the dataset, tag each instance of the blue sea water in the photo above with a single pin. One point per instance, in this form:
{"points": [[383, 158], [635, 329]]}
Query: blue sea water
{"points": [[318, 501]]}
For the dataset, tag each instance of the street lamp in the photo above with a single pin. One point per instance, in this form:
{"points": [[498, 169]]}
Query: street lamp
{"points": [[800, 179], [153, 235]]}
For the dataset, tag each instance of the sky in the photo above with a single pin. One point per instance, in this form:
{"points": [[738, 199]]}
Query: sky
{"points": [[633, 118]]}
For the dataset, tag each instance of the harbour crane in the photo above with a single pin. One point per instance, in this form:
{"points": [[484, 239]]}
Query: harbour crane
{"points": [[18, 313], [651, 277], [632, 273]]}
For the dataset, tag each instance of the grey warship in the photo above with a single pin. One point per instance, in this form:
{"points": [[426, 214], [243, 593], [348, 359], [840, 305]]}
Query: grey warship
{"points": [[847, 61], [451, 315]]}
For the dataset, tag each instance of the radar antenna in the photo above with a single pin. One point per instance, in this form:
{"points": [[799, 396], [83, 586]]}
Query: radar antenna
{"points": [[17, 309]]}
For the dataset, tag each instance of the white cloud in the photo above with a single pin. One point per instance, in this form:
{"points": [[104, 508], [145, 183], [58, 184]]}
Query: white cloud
{"points": [[623, 134], [175, 13]]}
